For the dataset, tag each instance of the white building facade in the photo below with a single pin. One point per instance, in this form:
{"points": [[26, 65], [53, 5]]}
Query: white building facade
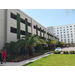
{"points": [[14, 24], [66, 33]]}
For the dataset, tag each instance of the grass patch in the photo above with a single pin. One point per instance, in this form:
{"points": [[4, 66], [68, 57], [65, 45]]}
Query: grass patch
{"points": [[55, 60]]}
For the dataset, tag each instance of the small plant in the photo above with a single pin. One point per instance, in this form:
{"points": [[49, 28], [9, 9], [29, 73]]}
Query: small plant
{"points": [[56, 52], [65, 52]]}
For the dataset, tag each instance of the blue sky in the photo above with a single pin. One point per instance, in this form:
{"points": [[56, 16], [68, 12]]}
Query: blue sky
{"points": [[51, 17]]}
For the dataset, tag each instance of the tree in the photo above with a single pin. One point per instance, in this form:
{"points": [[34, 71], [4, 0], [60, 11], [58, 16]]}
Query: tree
{"points": [[28, 41]]}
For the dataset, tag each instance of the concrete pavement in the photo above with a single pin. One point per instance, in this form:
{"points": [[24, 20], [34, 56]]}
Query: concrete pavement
{"points": [[68, 49], [25, 61]]}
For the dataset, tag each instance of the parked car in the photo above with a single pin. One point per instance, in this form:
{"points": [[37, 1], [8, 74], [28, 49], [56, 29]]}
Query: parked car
{"points": [[58, 49]]}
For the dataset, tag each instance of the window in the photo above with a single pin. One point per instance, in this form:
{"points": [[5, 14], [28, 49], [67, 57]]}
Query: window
{"points": [[67, 26], [74, 25], [22, 20], [29, 24], [63, 27], [54, 33], [65, 40], [68, 41], [57, 32], [34, 27], [64, 32], [22, 32], [51, 28], [48, 29], [68, 35], [60, 30], [57, 28], [13, 16], [70, 28], [71, 34], [71, 31], [61, 39], [67, 31], [60, 27], [64, 36], [13, 30], [71, 40]]}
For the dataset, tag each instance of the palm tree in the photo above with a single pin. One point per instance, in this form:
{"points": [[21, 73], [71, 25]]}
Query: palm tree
{"points": [[28, 41], [49, 43]]}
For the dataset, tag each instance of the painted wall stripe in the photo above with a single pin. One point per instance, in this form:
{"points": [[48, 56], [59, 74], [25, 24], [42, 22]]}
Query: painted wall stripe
{"points": [[18, 26]]}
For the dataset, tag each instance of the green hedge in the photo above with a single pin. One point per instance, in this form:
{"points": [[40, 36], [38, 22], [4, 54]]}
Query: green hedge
{"points": [[56, 52], [72, 52], [65, 52]]}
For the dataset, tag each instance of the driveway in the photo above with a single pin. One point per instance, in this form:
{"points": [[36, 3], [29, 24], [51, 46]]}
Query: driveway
{"points": [[68, 49]]}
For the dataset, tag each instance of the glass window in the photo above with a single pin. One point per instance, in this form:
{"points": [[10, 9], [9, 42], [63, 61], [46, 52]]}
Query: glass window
{"points": [[67, 31], [64, 32], [68, 35], [57, 28], [68, 41], [57, 32], [70, 28], [48, 29], [61, 39], [60, 27], [71, 31], [67, 26], [71, 36], [74, 25], [65, 40], [60, 30], [71, 40], [63, 27], [64, 36]]}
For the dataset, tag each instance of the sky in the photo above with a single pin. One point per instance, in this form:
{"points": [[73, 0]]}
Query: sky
{"points": [[51, 17]]}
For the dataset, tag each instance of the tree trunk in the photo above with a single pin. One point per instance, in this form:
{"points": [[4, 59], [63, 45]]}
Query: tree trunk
{"points": [[30, 51]]}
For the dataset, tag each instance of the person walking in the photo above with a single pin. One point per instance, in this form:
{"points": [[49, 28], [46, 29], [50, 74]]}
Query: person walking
{"points": [[4, 56], [1, 56]]}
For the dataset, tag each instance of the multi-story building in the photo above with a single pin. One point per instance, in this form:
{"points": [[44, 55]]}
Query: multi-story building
{"points": [[66, 33], [14, 24]]}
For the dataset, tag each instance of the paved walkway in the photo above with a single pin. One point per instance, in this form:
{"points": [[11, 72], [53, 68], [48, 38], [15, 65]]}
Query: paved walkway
{"points": [[68, 49], [25, 61]]}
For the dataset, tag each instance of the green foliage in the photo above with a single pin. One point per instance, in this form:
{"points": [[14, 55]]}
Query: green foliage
{"points": [[72, 52], [39, 47], [65, 52], [56, 52], [11, 48], [46, 48]]}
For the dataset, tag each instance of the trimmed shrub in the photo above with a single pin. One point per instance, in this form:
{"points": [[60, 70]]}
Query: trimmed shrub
{"points": [[56, 52], [46, 48], [65, 52], [72, 52], [39, 47]]}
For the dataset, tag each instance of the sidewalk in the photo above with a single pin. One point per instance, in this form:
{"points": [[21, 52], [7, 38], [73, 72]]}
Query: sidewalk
{"points": [[25, 61]]}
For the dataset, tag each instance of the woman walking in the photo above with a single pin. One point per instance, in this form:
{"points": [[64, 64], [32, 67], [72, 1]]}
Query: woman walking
{"points": [[4, 55]]}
